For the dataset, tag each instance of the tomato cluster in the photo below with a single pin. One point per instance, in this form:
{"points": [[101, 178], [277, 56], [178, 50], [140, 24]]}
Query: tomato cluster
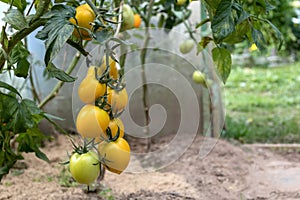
{"points": [[103, 92]]}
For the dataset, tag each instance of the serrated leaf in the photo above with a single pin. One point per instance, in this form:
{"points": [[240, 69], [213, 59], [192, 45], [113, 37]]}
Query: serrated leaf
{"points": [[223, 22], [16, 19], [203, 43], [22, 68], [10, 88], [59, 74], [222, 60], [23, 119], [19, 52], [57, 30], [61, 37]]}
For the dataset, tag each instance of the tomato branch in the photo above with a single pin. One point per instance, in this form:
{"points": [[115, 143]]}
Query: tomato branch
{"points": [[144, 79], [59, 85]]}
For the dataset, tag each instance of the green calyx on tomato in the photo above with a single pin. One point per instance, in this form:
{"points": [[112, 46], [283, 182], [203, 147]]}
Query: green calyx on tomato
{"points": [[85, 167]]}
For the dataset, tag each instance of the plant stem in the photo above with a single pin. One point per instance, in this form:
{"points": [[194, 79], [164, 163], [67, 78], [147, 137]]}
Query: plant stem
{"points": [[58, 86], [143, 73]]}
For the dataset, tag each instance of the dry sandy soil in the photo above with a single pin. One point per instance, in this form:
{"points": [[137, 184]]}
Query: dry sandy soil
{"points": [[228, 172]]}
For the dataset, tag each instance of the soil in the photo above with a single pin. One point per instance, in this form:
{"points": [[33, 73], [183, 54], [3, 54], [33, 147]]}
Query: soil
{"points": [[229, 171]]}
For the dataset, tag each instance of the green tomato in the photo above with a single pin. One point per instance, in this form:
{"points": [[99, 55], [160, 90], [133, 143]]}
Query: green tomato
{"points": [[128, 18], [199, 77], [186, 46], [85, 167], [180, 2]]}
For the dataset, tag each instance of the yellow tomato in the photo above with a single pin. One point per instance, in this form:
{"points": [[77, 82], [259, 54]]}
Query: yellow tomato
{"points": [[113, 71], [113, 125], [117, 99], [84, 16], [137, 20], [180, 2], [115, 154], [92, 121], [90, 88]]}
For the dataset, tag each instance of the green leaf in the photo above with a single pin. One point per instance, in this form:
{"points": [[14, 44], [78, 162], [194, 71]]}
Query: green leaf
{"points": [[20, 4], [10, 88], [59, 74], [222, 60], [203, 43], [19, 52], [258, 38], [223, 22], [213, 4], [239, 34], [57, 30], [24, 115], [16, 19], [277, 33], [30, 141], [8, 106], [22, 68], [102, 36], [61, 37]]}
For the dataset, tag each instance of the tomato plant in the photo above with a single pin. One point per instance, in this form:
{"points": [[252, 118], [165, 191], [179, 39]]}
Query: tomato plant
{"points": [[67, 22], [85, 167]]}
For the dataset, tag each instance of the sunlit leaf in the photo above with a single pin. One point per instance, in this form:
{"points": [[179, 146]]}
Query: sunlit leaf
{"points": [[223, 22], [222, 60], [16, 19]]}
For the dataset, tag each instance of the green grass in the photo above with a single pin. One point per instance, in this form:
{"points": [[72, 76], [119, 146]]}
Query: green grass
{"points": [[263, 104]]}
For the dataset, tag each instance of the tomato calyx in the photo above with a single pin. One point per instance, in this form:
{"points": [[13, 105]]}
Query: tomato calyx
{"points": [[109, 133], [117, 85]]}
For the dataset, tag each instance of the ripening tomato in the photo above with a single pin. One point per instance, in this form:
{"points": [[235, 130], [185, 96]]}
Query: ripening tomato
{"points": [[128, 18], [90, 88], [116, 154], [137, 20], [180, 2], [84, 16], [117, 99], [92, 121], [114, 125], [113, 71], [186, 46], [198, 77], [85, 168]]}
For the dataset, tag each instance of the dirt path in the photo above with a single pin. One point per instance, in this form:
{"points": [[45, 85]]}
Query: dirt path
{"points": [[228, 172]]}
